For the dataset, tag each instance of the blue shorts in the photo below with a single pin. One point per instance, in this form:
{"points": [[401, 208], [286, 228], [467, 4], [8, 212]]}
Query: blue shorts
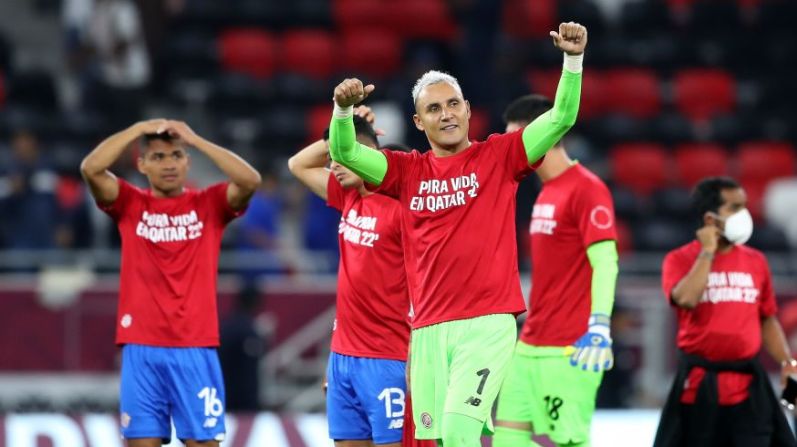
{"points": [[365, 398], [160, 384]]}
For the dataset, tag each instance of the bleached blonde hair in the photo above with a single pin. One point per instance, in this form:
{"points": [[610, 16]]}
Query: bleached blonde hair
{"points": [[433, 77]]}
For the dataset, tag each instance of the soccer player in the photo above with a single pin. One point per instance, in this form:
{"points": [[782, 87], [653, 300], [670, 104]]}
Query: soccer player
{"points": [[458, 216], [365, 375], [564, 344], [167, 319], [722, 292]]}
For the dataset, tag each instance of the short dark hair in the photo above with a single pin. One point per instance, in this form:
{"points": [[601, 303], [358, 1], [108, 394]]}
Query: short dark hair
{"points": [[397, 147], [164, 136], [361, 128], [527, 108], [707, 195]]}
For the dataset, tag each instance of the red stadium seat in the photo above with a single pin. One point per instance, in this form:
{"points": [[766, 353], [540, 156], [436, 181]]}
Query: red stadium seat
{"points": [[248, 51], [352, 14], [422, 19], [479, 127], [634, 92], [700, 94], [625, 238], [310, 52], [695, 161], [764, 161], [318, 119], [529, 18], [758, 163], [545, 82], [641, 167], [372, 52]]}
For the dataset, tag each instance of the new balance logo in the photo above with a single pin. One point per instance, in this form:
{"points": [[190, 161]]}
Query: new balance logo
{"points": [[210, 423], [396, 423], [475, 401]]}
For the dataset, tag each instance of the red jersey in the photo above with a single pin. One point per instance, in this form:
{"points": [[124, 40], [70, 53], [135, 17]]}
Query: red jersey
{"points": [[572, 212], [459, 228], [170, 253], [726, 324], [373, 301]]}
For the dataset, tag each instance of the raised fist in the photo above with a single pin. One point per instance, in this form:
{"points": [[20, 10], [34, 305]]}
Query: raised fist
{"points": [[351, 91], [571, 38]]}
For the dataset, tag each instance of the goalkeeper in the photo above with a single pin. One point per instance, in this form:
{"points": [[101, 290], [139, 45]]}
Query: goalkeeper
{"points": [[565, 343], [459, 238]]}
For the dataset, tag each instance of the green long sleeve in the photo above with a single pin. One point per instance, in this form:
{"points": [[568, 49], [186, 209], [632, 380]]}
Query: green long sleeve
{"points": [[369, 164], [542, 133], [603, 259]]}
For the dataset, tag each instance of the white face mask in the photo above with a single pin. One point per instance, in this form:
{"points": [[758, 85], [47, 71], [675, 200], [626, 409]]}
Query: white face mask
{"points": [[738, 227]]}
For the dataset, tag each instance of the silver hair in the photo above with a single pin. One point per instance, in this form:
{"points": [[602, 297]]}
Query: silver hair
{"points": [[433, 77]]}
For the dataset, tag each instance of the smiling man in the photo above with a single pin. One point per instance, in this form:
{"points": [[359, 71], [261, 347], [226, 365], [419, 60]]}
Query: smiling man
{"points": [[459, 237], [167, 321]]}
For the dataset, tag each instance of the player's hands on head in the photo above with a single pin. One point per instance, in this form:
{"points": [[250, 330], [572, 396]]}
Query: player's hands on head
{"points": [[571, 38], [150, 126], [179, 129], [593, 351], [351, 92], [708, 236]]}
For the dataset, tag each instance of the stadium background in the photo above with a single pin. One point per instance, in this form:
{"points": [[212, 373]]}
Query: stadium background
{"points": [[673, 91]]}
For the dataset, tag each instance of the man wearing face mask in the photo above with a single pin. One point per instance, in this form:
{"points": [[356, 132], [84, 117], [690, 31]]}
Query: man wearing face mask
{"points": [[722, 292]]}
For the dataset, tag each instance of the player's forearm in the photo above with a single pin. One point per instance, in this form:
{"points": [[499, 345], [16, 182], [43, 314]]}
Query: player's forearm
{"points": [[689, 290], [542, 133], [774, 339], [108, 151], [369, 164], [311, 157], [241, 173], [603, 259]]}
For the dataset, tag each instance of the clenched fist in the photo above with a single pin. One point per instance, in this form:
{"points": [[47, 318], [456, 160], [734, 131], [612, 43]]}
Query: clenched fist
{"points": [[571, 38], [351, 91]]}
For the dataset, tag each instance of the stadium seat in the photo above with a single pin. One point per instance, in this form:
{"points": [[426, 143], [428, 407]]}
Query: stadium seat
{"points": [[352, 15], [311, 12], [695, 161], [701, 94], [309, 52], [625, 238], [765, 161], [317, 120], [249, 51], [282, 126], [529, 18], [479, 127], [422, 19], [593, 90], [371, 52], [632, 91], [642, 167]]}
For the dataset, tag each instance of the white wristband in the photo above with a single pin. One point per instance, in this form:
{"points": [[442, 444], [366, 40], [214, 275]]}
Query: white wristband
{"points": [[342, 112], [574, 63]]}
